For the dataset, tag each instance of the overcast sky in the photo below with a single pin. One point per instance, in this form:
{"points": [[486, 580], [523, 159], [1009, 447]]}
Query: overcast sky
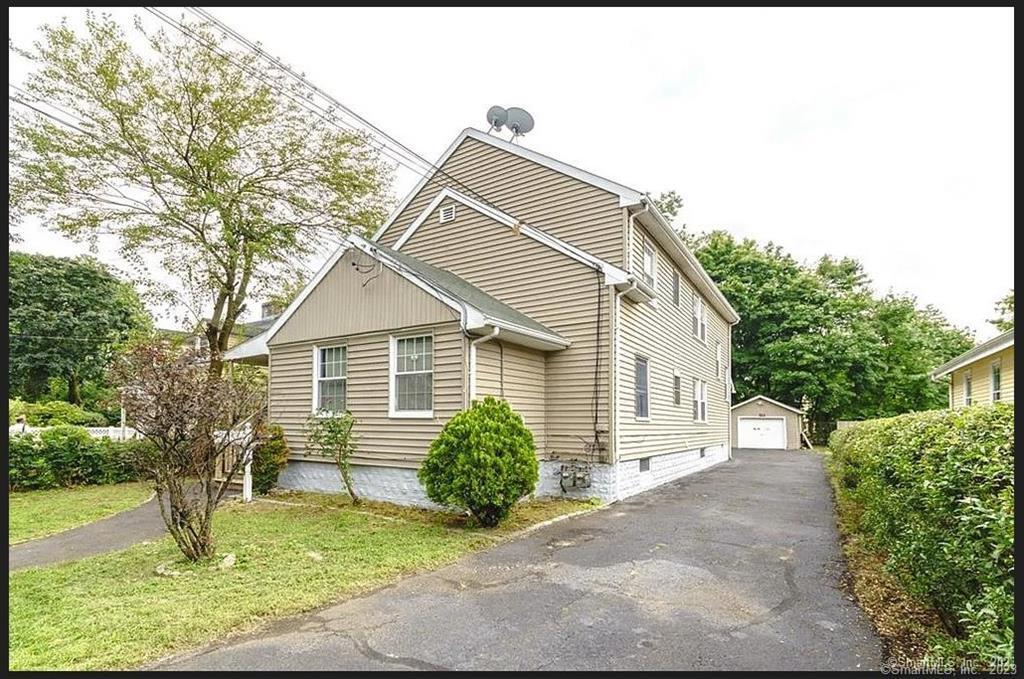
{"points": [[885, 135]]}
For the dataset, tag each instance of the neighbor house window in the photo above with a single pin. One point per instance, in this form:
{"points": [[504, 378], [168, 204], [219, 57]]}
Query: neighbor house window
{"points": [[700, 318], [997, 381], [675, 288], [331, 370], [967, 389], [412, 381], [641, 388], [677, 390], [650, 263], [700, 400]]}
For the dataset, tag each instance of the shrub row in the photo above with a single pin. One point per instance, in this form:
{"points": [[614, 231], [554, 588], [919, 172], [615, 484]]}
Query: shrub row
{"points": [[53, 413], [936, 494], [66, 455]]}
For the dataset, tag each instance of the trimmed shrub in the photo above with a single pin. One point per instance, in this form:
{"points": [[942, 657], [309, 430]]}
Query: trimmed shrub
{"points": [[268, 459], [53, 413], [483, 460], [68, 456], [936, 494]]}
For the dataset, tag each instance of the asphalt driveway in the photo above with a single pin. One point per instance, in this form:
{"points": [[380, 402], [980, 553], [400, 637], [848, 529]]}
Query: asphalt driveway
{"points": [[735, 568]]}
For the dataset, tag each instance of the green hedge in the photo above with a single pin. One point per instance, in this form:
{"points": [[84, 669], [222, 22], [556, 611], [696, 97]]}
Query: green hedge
{"points": [[936, 492], [268, 460], [68, 456], [53, 413]]}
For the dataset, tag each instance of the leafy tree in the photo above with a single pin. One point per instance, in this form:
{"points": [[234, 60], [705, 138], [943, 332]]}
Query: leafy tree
{"points": [[183, 149], [330, 435], [1004, 309], [817, 336], [669, 203], [66, 319], [194, 420]]}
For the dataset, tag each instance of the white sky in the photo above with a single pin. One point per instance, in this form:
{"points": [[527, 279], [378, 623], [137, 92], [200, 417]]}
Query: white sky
{"points": [[885, 135]]}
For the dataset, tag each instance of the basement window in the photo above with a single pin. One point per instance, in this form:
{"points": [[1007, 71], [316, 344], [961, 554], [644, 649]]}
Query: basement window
{"points": [[703, 452], [447, 213], [645, 464]]}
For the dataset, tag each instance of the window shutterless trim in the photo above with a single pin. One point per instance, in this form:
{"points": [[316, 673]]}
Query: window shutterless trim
{"points": [[647, 388], [317, 379], [393, 411]]}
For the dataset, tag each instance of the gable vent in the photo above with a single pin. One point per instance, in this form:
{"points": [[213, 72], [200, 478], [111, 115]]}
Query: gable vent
{"points": [[447, 213]]}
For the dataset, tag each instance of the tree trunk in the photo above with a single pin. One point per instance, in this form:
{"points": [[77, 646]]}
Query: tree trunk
{"points": [[74, 394]]}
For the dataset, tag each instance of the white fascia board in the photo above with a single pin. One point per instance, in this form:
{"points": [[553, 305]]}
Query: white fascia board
{"points": [[254, 346], [770, 400], [966, 359], [698, 272], [315, 281], [613, 275], [557, 340], [627, 196]]}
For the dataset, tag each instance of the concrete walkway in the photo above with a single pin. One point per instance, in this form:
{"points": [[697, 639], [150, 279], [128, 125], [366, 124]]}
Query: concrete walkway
{"points": [[106, 535], [736, 568]]}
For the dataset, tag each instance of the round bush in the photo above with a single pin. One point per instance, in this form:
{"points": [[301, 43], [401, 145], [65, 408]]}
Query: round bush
{"points": [[483, 460], [75, 457]]}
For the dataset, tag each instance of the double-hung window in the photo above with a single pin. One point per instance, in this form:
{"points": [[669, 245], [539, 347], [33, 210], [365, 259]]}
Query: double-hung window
{"points": [[997, 380], [675, 287], [677, 390], [700, 400], [331, 386], [412, 376], [650, 263], [641, 389], [968, 396], [700, 318]]}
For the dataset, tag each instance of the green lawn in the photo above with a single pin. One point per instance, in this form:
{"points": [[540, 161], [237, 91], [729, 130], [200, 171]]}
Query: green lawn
{"points": [[113, 611], [35, 513]]}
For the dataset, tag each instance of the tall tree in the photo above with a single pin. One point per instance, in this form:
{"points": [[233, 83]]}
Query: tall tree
{"points": [[66, 319], [1004, 308], [184, 149]]}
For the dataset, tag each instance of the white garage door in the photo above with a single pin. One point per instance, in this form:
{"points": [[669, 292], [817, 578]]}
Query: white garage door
{"points": [[762, 432]]}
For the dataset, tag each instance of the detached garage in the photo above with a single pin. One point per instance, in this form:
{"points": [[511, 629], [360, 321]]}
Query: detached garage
{"points": [[764, 423]]}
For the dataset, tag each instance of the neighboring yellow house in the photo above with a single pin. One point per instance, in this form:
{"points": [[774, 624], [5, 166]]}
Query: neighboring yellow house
{"points": [[982, 375]]}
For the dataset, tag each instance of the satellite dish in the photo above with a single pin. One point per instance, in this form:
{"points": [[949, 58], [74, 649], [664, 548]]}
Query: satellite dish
{"points": [[497, 117], [519, 121]]}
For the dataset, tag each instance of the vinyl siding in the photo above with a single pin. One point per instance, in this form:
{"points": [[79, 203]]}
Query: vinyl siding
{"points": [[516, 374], [761, 408], [663, 335], [551, 288], [381, 440], [981, 379], [342, 305], [581, 214]]}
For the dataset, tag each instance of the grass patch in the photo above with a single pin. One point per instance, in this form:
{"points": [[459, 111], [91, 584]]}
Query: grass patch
{"points": [[113, 611], [38, 513], [906, 626]]}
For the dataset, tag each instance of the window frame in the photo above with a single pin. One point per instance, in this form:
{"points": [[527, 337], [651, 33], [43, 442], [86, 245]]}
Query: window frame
{"points": [[995, 374], [677, 389], [699, 402], [637, 358], [393, 374], [699, 322], [317, 380], [719, 360], [968, 388], [677, 285], [646, 247]]}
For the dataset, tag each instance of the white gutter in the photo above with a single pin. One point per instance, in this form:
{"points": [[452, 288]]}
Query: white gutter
{"points": [[615, 381], [472, 360]]}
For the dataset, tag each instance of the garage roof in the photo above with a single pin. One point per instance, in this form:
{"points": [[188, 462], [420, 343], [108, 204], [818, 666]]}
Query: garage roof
{"points": [[770, 400]]}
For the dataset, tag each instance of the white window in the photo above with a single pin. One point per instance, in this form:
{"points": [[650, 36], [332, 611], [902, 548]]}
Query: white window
{"points": [[719, 363], [677, 390], [330, 386], [700, 318], [675, 287], [967, 388], [700, 400], [650, 263], [997, 380], [641, 389], [412, 377], [447, 213]]}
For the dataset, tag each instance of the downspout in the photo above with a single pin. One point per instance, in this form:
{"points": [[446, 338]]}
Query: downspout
{"points": [[472, 361], [632, 218], [616, 313]]}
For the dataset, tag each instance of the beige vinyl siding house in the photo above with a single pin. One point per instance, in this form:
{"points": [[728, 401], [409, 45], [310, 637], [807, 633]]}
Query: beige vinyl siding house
{"points": [[523, 272], [982, 375]]}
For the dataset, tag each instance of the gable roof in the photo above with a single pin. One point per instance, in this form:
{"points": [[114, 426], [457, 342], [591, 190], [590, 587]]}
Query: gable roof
{"points": [[612, 273], [478, 309], [770, 400], [987, 348], [628, 197]]}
